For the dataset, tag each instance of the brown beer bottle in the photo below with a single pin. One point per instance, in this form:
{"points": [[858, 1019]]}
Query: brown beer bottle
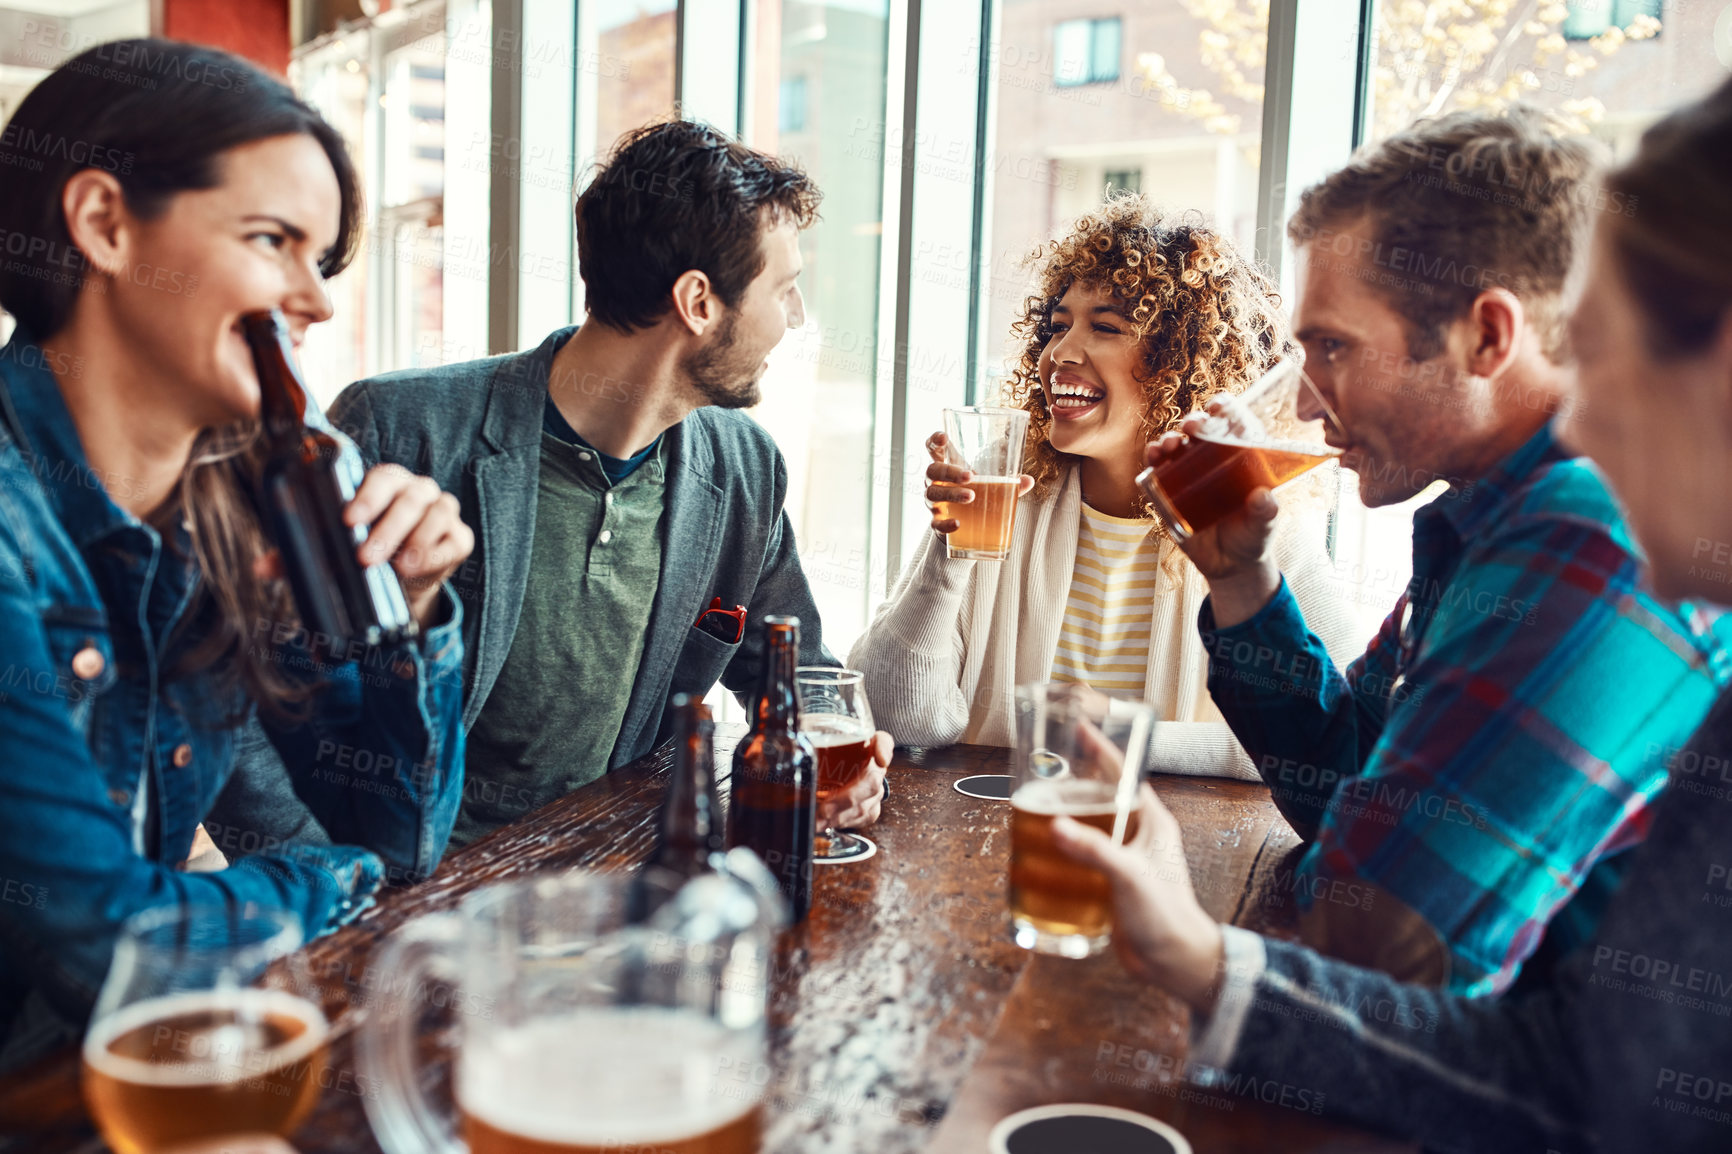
{"points": [[308, 476], [691, 815], [691, 818], [773, 806]]}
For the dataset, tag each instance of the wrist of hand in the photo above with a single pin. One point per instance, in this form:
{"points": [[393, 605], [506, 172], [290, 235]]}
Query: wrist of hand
{"points": [[1242, 594], [1192, 967]]}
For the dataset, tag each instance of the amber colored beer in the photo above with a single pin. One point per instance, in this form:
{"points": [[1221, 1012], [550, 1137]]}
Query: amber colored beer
{"points": [[1209, 477], [983, 525], [611, 1080], [844, 749], [183, 1067], [1049, 892]]}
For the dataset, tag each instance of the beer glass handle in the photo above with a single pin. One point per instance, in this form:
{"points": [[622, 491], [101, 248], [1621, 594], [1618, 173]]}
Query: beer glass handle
{"points": [[403, 1118]]}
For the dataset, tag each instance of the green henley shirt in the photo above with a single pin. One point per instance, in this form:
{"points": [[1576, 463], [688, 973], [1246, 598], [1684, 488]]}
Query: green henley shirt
{"points": [[555, 712]]}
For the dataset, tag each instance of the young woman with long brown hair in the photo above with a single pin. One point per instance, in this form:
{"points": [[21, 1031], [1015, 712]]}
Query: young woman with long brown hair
{"points": [[156, 192]]}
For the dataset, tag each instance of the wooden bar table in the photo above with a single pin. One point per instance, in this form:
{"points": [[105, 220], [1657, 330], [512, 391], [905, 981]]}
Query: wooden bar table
{"points": [[903, 1018]]}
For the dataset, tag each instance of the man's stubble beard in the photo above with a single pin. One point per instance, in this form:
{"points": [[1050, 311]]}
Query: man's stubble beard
{"points": [[720, 375]]}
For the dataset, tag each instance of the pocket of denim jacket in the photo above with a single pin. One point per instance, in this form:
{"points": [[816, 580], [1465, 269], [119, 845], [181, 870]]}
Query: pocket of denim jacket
{"points": [[83, 659]]}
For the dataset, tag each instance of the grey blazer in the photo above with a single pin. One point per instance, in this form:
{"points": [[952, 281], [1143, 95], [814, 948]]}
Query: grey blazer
{"points": [[475, 428]]}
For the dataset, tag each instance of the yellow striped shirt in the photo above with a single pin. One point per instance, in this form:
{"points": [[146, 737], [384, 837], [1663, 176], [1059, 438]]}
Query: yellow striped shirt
{"points": [[1104, 640]]}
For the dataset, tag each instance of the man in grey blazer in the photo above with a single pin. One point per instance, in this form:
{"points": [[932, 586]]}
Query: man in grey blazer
{"points": [[614, 488]]}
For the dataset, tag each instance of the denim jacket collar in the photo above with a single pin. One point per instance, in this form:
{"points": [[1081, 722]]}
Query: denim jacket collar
{"points": [[31, 402]]}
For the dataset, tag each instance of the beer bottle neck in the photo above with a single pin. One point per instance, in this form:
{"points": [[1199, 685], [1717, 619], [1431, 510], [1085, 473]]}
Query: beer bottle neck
{"points": [[282, 394], [692, 819], [779, 701]]}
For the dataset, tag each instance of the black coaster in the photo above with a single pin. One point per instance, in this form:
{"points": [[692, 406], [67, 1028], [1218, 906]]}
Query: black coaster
{"points": [[992, 786], [1081, 1129]]}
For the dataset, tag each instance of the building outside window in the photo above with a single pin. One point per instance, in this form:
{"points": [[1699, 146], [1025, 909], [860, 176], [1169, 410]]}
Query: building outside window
{"points": [[1086, 51], [1059, 146], [1124, 180], [1602, 66]]}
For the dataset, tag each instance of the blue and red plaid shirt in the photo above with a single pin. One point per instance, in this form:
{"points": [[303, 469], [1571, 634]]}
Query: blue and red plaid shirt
{"points": [[1507, 730]]}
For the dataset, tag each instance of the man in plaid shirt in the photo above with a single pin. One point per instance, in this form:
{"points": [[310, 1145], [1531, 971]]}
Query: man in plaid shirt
{"points": [[1469, 784]]}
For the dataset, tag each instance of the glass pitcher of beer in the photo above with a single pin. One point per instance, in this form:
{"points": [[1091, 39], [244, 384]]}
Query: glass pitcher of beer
{"points": [[576, 1029], [1078, 753], [1270, 434], [207, 1027], [987, 442]]}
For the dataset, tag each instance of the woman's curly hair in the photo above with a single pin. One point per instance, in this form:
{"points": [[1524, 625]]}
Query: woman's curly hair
{"points": [[1209, 320]]}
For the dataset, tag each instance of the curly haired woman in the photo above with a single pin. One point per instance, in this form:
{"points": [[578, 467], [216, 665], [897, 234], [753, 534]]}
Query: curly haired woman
{"points": [[1138, 319]]}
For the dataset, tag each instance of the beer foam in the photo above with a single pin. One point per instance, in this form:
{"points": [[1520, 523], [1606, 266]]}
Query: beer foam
{"points": [[237, 1063], [826, 729], [1075, 798], [625, 1077]]}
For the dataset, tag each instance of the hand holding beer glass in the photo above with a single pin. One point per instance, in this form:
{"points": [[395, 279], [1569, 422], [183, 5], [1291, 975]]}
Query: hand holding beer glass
{"points": [[1268, 435], [577, 1030], [1078, 754], [836, 719], [208, 1027], [975, 480]]}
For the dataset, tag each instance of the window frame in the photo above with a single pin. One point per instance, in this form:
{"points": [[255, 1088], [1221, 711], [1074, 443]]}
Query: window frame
{"points": [[1314, 114]]}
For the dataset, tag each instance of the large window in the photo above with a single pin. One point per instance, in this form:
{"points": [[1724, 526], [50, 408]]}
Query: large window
{"points": [[817, 97], [411, 218], [1183, 125], [1606, 67], [938, 184]]}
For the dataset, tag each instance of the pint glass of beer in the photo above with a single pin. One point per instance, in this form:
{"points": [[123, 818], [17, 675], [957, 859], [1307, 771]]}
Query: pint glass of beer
{"points": [[1262, 438], [987, 442], [1081, 754], [206, 1028], [835, 717], [575, 1029]]}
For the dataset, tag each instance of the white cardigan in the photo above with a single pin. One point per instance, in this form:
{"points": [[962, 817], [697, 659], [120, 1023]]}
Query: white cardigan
{"points": [[944, 655]]}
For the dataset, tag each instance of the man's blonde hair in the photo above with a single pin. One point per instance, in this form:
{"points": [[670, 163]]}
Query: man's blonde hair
{"points": [[1459, 204]]}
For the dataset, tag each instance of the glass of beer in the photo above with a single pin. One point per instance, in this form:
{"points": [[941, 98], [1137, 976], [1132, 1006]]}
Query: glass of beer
{"points": [[1081, 754], [987, 442], [570, 1026], [1262, 438], [207, 1027], [835, 717]]}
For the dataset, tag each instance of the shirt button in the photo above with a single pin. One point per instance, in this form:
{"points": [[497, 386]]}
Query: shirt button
{"points": [[604, 536], [607, 497], [120, 797], [87, 663], [582, 456], [182, 756]]}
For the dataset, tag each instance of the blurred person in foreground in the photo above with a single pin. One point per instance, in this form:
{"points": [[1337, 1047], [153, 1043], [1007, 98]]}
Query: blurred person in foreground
{"points": [[1625, 1046], [1139, 318]]}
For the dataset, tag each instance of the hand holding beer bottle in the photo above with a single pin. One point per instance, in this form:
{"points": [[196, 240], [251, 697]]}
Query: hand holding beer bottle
{"points": [[335, 528]]}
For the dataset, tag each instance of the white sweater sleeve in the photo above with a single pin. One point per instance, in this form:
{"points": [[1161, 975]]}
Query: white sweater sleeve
{"points": [[1200, 749], [1311, 577], [912, 652]]}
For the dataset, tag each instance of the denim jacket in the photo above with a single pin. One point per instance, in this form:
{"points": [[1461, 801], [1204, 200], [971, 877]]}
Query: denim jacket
{"points": [[90, 718]]}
